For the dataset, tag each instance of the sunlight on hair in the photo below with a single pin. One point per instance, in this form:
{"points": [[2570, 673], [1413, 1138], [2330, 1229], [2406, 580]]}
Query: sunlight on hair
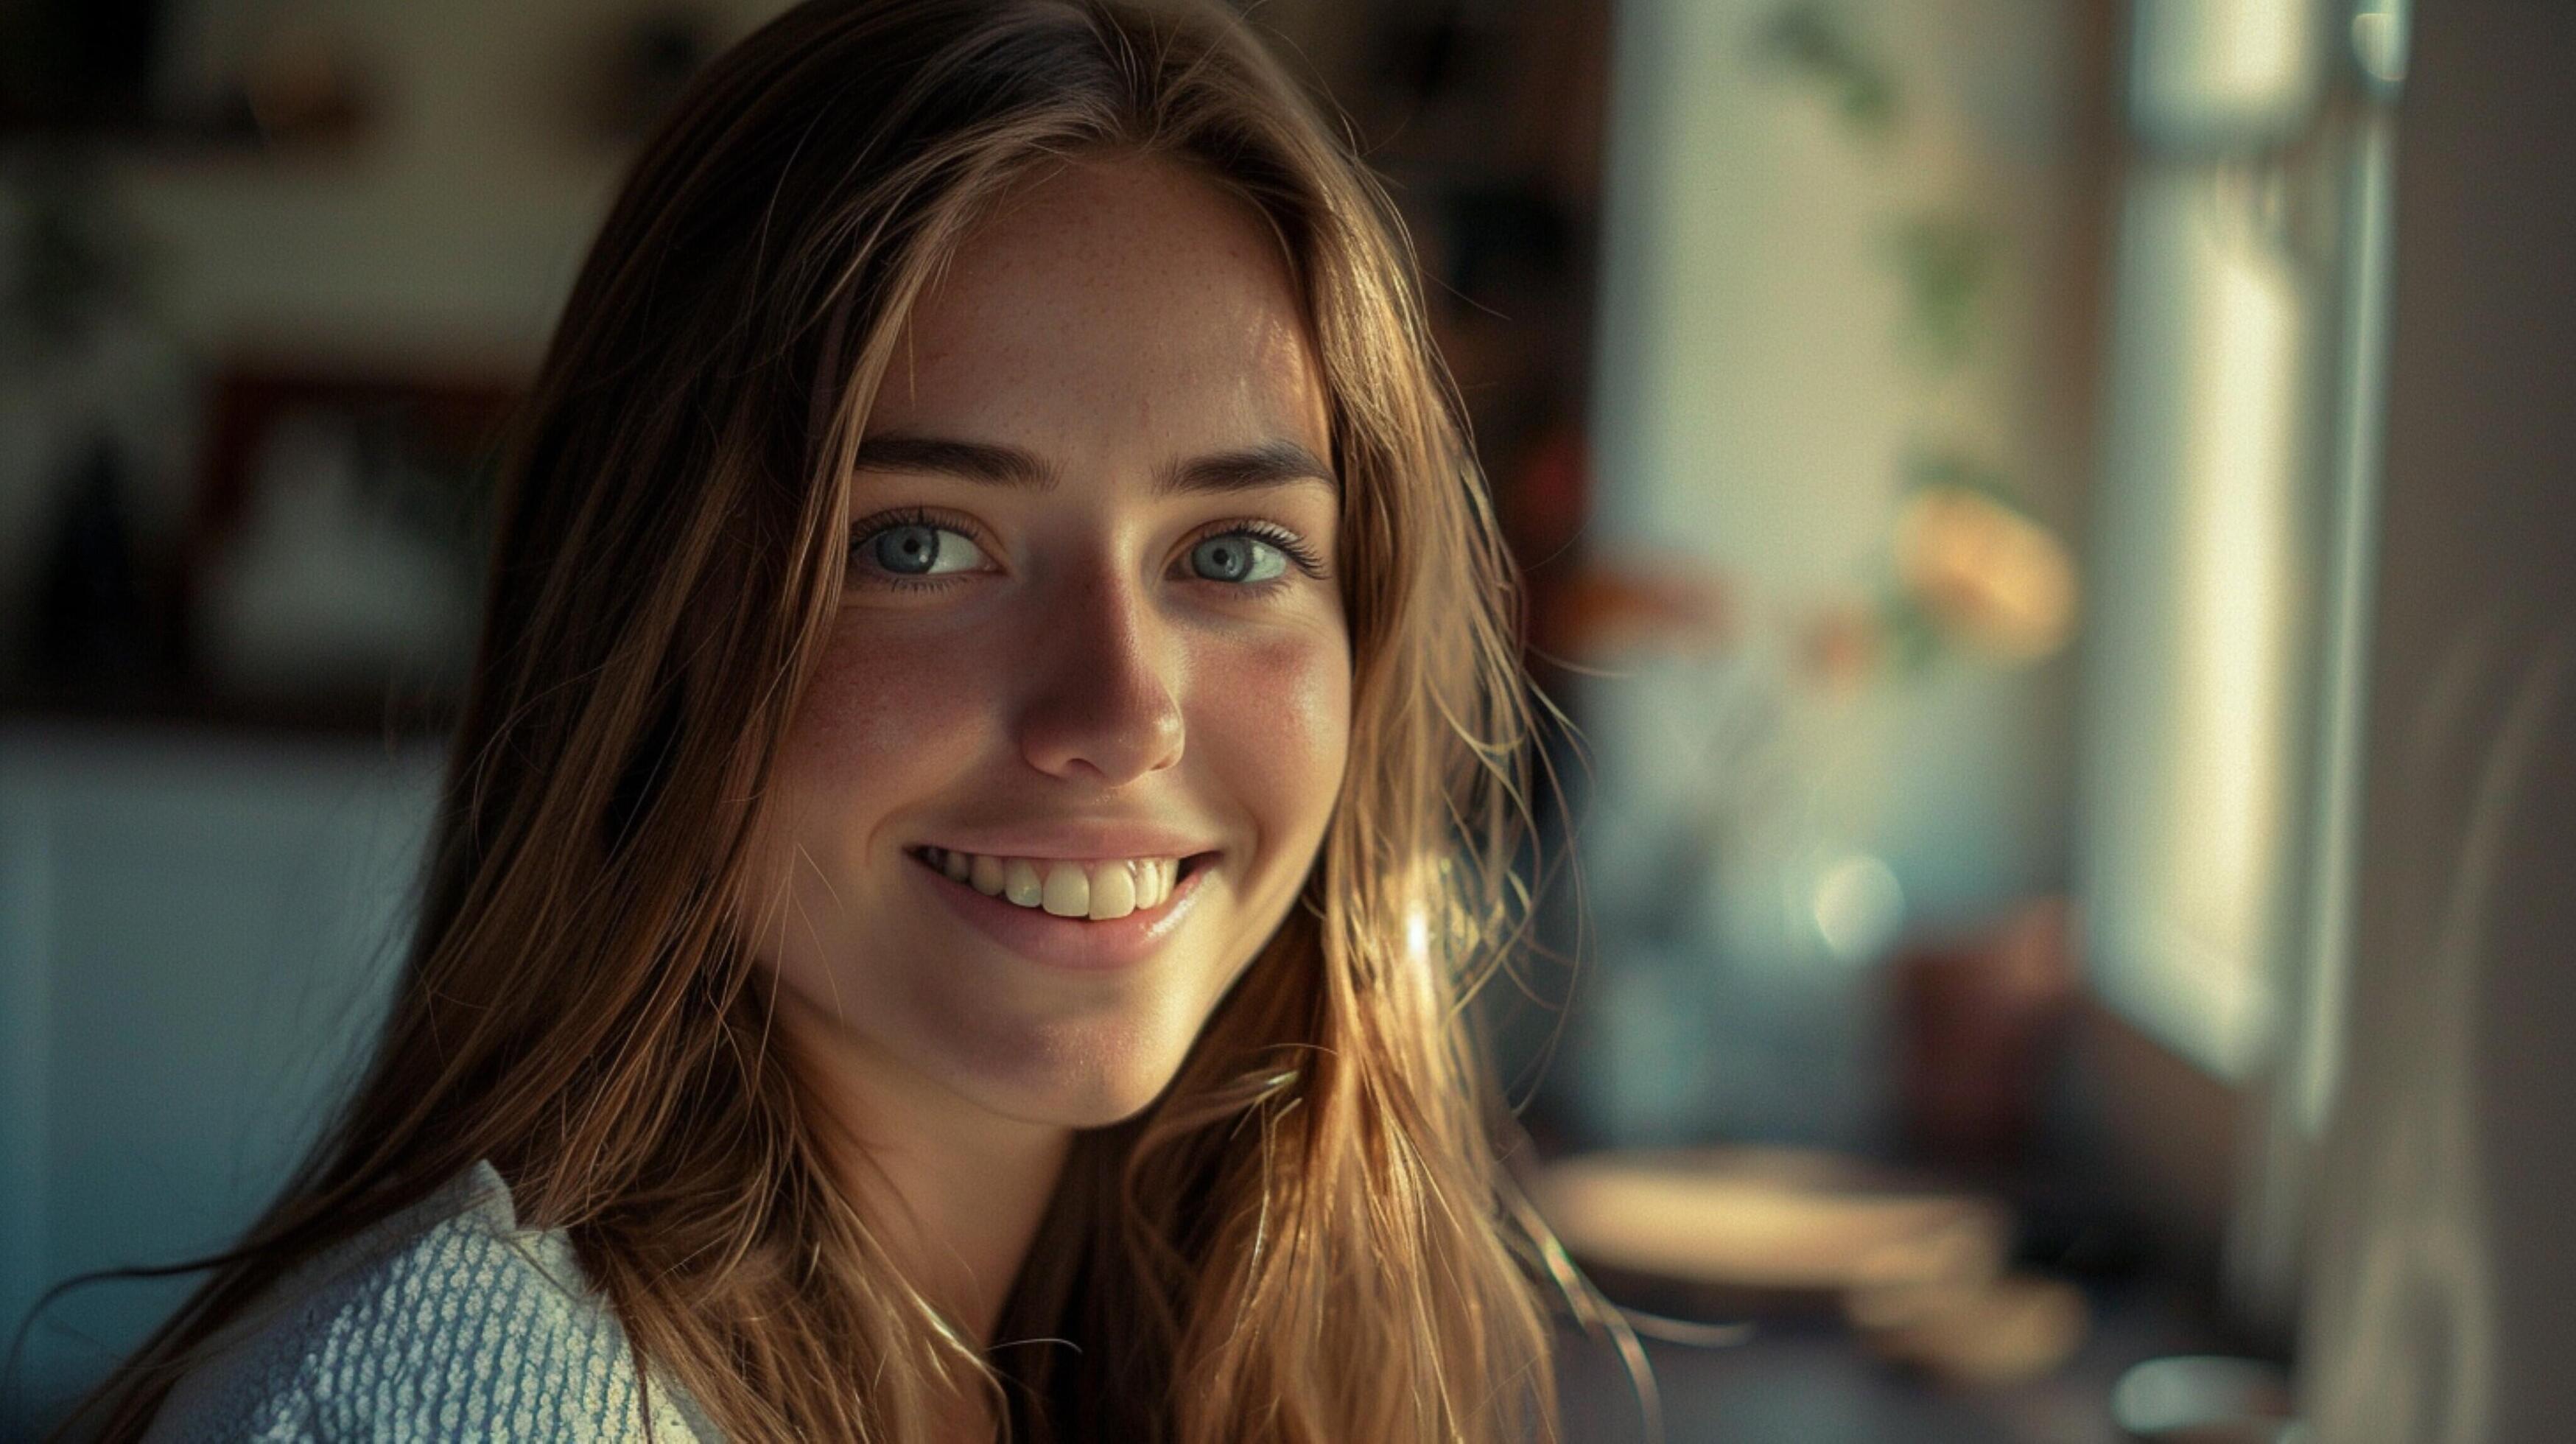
{"points": [[1308, 1238]]}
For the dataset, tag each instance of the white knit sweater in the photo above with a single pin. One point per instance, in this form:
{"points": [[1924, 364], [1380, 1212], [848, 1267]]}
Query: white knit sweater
{"points": [[446, 1322]]}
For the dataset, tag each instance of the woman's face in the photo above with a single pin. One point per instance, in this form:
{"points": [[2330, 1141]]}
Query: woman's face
{"points": [[1091, 654]]}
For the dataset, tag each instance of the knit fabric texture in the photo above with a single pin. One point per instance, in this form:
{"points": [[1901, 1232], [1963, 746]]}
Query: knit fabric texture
{"points": [[446, 1322]]}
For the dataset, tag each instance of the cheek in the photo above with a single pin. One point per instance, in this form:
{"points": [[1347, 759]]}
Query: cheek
{"points": [[1275, 718], [888, 719]]}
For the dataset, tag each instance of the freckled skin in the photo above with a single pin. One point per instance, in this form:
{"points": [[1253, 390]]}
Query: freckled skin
{"points": [[1112, 319]]}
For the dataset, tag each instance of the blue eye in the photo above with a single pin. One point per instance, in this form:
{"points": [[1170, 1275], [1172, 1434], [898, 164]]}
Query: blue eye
{"points": [[1237, 556], [919, 549]]}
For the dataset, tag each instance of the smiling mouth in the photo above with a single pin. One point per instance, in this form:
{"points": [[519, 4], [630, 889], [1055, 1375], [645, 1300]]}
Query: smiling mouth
{"points": [[1096, 891]]}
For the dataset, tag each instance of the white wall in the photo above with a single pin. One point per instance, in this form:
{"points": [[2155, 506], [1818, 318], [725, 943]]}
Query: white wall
{"points": [[1754, 406], [452, 226]]}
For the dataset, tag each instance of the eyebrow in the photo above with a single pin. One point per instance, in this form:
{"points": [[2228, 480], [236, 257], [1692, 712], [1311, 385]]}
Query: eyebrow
{"points": [[1268, 463], [1271, 463], [970, 460]]}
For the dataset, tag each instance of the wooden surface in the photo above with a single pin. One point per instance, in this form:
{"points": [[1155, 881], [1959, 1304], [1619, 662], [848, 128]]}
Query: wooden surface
{"points": [[1810, 1382]]}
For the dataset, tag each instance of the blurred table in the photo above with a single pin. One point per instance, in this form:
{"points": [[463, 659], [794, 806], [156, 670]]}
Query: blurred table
{"points": [[1810, 1381]]}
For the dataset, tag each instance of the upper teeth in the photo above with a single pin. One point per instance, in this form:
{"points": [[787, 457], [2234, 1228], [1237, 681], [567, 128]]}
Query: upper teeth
{"points": [[1100, 890]]}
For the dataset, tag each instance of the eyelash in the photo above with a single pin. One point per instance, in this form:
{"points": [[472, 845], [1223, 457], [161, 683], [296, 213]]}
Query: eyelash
{"points": [[1300, 554]]}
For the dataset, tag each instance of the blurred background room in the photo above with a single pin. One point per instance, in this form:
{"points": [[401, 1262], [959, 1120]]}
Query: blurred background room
{"points": [[2050, 524]]}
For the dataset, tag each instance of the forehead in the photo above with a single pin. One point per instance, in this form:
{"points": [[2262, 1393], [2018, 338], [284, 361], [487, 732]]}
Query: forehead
{"points": [[1110, 302]]}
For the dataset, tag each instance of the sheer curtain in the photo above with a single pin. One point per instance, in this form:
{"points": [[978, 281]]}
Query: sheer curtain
{"points": [[2235, 526]]}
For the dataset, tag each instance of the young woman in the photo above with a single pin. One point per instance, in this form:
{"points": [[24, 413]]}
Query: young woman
{"points": [[991, 769]]}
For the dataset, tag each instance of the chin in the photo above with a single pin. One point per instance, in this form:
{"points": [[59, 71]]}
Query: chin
{"points": [[1078, 1078]]}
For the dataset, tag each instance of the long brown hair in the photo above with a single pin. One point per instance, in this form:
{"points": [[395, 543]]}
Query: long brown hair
{"points": [[1307, 1238]]}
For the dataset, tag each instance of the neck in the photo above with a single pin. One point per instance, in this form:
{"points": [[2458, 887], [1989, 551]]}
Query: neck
{"points": [[955, 1191]]}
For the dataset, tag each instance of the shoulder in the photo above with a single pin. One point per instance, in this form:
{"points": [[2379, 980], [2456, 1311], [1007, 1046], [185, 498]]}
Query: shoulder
{"points": [[448, 1321]]}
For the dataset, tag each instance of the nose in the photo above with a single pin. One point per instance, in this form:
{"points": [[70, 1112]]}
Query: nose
{"points": [[1101, 706]]}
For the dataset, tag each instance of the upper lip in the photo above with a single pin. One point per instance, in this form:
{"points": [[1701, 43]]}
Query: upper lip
{"points": [[1074, 841]]}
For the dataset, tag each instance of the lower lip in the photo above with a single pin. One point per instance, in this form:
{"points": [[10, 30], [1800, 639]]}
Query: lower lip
{"points": [[1074, 944]]}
